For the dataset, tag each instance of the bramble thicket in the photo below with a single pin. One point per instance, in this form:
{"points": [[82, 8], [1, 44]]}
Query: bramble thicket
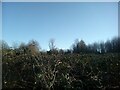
{"points": [[82, 67]]}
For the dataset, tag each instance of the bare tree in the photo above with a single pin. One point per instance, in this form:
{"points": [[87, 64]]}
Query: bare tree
{"points": [[52, 44], [33, 46], [82, 46], [4, 45]]}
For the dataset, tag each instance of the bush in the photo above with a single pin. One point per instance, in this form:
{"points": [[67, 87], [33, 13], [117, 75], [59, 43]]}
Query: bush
{"points": [[65, 71]]}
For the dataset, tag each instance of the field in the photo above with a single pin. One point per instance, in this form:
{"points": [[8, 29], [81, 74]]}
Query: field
{"points": [[61, 71]]}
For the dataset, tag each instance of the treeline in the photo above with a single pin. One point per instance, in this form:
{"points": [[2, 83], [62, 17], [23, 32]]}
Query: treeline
{"points": [[110, 46], [28, 66]]}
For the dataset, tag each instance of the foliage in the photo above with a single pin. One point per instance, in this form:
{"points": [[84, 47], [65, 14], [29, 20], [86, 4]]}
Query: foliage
{"points": [[65, 71], [84, 67], [102, 47]]}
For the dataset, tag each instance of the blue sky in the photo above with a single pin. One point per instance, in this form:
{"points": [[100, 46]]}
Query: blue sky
{"points": [[64, 22]]}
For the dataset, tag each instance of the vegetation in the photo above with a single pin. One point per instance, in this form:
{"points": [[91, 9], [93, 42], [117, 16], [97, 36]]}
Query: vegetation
{"points": [[84, 67]]}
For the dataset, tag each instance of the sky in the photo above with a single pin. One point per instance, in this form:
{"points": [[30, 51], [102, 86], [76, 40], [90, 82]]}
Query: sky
{"points": [[0, 20], [65, 22]]}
